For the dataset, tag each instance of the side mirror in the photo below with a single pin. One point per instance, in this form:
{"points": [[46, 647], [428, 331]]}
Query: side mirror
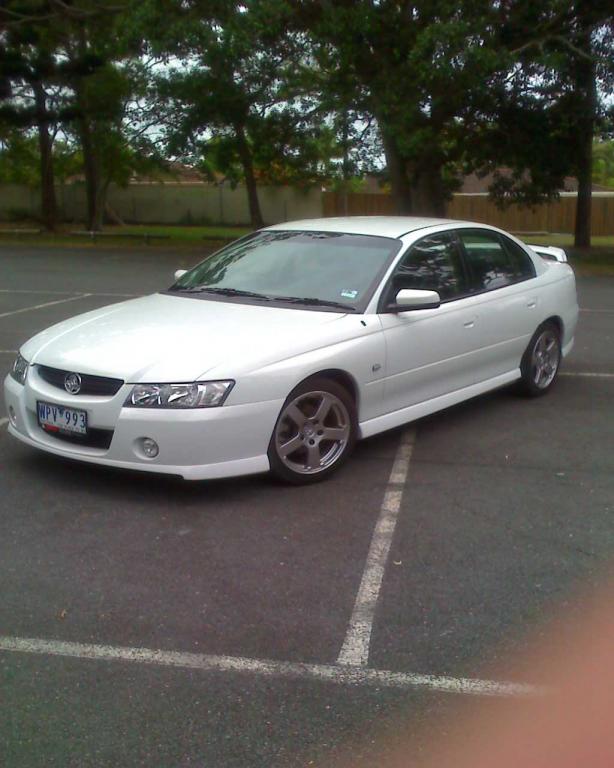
{"points": [[179, 273], [409, 298]]}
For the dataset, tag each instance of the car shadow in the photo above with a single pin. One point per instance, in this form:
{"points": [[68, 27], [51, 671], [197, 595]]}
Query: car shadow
{"points": [[60, 474], [64, 473], [374, 454]]}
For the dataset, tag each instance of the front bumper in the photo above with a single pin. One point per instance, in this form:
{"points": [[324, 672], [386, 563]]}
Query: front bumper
{"points": [[196, 444]]}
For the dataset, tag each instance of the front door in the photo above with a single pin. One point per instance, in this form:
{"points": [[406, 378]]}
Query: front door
{"points": [[430, 352]]}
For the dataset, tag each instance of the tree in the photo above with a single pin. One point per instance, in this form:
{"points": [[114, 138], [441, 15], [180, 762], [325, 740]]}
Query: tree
{"points": [[421, 70], [229, 102], [53, 75], [28, 69], [592, 56], [105, 75], [545, 112], [20, 159], [472, 86], [603, 163]]}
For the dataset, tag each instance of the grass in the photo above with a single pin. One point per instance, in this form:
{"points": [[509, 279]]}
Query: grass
{"points": [[566, 240], [597, 260], [184, 233], [130, 236]]}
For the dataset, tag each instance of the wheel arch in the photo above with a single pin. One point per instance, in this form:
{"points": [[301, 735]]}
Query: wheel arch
{"points": [[345, 379], [558, 321]]}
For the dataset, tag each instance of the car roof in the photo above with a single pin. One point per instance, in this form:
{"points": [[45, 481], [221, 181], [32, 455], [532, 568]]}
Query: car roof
{"points": [[384, 226]]}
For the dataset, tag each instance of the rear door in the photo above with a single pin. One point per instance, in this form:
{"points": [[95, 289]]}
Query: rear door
{"points": [[503, 283]]}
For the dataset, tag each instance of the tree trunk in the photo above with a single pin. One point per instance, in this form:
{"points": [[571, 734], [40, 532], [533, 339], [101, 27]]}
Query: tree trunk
{"points": [[112, 216], [245, 156], [49, 208], [101, 202], [401, 190], [90, 168], [346, 159], [428, 192], [586, 99], [582, 234]]}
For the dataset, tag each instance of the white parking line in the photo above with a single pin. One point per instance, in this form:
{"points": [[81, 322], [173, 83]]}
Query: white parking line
{"points": [[3, 421], [588, 374], [8, 351], [598, 311], [62, 293], [343, 675], [47, 304], [355, 648], [31, 290], [120, 295]]}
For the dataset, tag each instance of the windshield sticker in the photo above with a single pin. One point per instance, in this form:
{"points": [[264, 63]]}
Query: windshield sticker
{"points": [[347, 294]]}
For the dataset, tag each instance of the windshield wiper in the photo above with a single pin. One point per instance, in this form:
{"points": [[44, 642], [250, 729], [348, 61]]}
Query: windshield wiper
{"points": [[313, 302], [307, 301], [227, 292]]}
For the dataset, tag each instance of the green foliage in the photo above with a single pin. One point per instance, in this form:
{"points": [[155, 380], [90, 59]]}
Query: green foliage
{"points": [[19, 159], [421, 71], [603, 163], [551, 104], [307, 92], [228, 105]]}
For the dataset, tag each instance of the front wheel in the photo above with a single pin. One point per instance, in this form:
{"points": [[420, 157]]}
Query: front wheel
{"points": [[541, 360], [314, 433]]}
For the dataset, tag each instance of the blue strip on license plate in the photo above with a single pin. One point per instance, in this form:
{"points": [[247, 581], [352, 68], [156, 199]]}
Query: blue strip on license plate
{"points": [[59, 418]]}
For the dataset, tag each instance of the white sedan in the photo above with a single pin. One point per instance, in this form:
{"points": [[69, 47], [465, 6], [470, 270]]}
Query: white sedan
{"points": [[281, 350]]}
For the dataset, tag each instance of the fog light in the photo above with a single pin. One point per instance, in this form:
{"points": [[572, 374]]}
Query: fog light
{"points": [[150, 448], [12, 416]]}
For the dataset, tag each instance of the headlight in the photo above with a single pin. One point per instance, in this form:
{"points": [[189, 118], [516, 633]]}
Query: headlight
{"points": [[200, 394], [20, 369]]}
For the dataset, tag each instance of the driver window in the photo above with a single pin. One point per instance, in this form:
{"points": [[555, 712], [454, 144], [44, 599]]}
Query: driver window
{"points": [[433, 264]]}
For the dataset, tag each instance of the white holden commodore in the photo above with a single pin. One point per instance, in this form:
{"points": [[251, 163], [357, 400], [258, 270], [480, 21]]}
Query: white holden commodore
{"points": [[281, 350]]}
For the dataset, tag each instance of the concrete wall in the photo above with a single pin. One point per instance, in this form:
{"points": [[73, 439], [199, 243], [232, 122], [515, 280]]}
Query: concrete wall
{"points": [[172, 203], [17, 201], [175, 203]]}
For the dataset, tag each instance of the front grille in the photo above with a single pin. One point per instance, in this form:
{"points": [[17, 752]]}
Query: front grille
{"points": [[90, 385], [95, 438]]}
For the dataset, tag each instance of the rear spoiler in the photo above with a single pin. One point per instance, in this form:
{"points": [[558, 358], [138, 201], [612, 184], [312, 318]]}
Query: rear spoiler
{"points": [[549, 252]]}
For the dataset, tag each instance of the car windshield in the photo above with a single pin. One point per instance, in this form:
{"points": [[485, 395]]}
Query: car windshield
{"points": [[323, 269]]}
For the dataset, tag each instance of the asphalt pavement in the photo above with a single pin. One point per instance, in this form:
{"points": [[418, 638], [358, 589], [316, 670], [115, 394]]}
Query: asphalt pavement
{"points": [[506, 515]]}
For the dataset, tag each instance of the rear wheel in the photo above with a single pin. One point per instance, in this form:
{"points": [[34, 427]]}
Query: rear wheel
{"points": [[541, 360], [314, 433]]}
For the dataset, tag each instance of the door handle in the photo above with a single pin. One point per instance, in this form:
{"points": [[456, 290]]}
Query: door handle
{"points": [[469, 324], [532, 303]]}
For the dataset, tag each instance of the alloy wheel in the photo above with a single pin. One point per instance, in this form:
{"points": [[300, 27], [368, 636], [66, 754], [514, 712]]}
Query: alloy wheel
{"points": [[545, 359], [313, 432]]}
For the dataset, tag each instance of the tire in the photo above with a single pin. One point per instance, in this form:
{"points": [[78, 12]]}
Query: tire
{"points": [[541, 361], [314, 433]]}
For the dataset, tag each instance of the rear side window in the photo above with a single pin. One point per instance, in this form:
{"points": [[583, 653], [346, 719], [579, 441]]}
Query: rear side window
{"points": [[493, 263], [525, 269]]}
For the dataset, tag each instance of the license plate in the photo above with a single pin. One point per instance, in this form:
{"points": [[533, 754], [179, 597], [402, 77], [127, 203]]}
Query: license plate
{"points": [[59, 418]]}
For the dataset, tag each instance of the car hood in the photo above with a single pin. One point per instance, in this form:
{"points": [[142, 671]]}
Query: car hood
{"points": [[163, 338]]}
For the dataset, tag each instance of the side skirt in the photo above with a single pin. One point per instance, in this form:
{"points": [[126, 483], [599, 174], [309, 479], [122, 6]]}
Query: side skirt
{"points": [[417, 411]]}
